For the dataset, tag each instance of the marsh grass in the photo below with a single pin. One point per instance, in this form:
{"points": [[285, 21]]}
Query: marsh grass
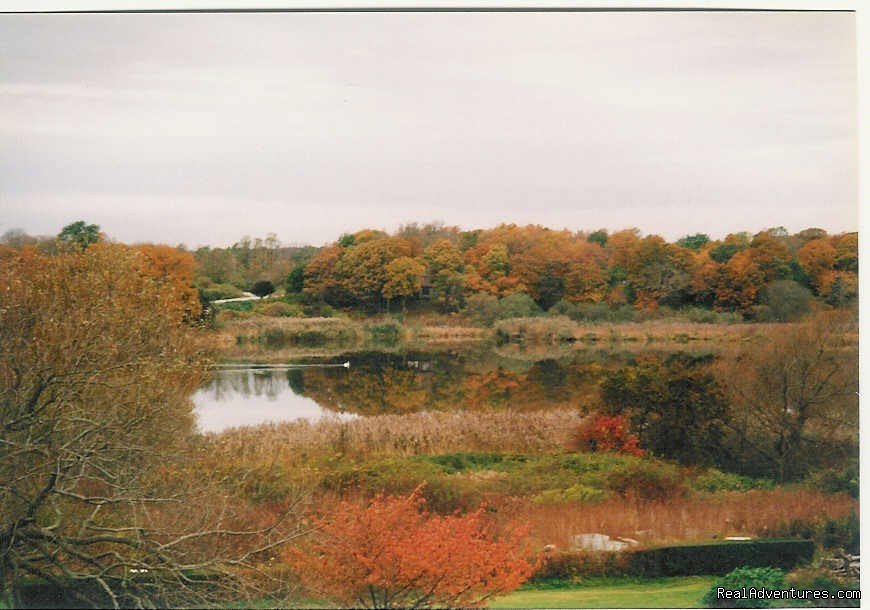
{"points": [[399, 435], [560, 329], [763, 513], [264, 338]]}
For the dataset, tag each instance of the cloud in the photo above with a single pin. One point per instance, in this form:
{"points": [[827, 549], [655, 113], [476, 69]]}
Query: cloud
{"points": [[311, 124]]}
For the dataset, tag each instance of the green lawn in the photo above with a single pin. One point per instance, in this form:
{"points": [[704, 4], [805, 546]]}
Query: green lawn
{"points": [[683, 592]]}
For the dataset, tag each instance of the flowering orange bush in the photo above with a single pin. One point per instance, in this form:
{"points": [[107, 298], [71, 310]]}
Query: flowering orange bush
{"points": [[393, 553], [606, 433]]}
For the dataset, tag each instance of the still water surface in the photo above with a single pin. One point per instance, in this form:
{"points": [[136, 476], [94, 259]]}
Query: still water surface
{"points": [[389, 383], [247, 395]]}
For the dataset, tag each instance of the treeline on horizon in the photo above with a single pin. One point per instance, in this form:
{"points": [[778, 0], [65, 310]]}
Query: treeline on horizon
{"points": [[769, 276], [758, 276]]}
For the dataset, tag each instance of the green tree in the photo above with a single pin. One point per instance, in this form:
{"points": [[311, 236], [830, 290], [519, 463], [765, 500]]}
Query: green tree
{"points": [[295, 280], [496, 263], [263, 288], [847, 253], [731, 245], [80, 234], [694, 242], [448, 290], [676, 407], [598, 237], [785, 300], [518, 305], [482, 308]]}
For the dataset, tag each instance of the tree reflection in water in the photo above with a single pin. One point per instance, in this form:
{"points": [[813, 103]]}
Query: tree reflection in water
{"points": [[382, 383]]}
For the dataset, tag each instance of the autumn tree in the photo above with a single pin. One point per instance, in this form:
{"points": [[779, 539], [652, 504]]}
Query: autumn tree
{"points": [[650, 271], [421, 237], [446, 269], [174, 270], [394, 554], [16, 238], [496, 263], [817, 259], [739, 282], [585, 276], [362, 269], [794, 396], [320, 277], [770, 253], [404, 279], [97, 366], [550, 266]]}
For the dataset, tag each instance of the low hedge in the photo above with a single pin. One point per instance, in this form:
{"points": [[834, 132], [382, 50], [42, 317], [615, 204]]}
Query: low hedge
{"points": [[574, 566], [684, 560], [721, 557]]}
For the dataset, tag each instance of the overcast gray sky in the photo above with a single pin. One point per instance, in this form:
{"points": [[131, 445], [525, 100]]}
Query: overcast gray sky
{"points": [[202, 128]]}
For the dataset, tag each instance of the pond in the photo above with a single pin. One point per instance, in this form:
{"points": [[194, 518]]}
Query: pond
{"points": [[380, 383], [250, 394]]}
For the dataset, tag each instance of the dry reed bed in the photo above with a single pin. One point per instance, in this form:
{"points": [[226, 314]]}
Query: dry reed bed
{"points": [[399, 435], [763, 513], [451, 333], [562, 328]]}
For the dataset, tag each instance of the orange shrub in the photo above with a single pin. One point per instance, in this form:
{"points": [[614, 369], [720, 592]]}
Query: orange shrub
{"points": [[392, 553]]}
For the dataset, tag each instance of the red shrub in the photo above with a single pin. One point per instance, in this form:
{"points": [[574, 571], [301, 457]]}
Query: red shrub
{"points": [[608, 433]]}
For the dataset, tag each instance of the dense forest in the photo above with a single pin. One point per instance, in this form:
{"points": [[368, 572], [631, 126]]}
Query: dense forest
{"points": [[769, 276]]}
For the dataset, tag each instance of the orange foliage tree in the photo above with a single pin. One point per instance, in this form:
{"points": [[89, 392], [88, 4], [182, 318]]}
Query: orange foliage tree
{"points": [[607, 433], [174, 270], [393, 553]]}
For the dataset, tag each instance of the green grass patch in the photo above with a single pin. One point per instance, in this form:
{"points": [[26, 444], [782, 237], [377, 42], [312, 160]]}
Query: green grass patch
{"points": [[686, 592], [463, 479]]}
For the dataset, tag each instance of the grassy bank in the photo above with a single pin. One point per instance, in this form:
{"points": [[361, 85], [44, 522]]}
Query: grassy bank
{"points": [[684, 592], [276, 339], [272, 339]]}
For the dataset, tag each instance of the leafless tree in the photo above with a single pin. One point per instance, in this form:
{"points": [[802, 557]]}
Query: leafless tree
{"points": [[99, 494], [795, 392]]}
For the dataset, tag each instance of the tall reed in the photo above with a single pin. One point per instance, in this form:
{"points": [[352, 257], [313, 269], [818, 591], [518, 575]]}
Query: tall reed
{"points": [[763, 513], [385, 435]]}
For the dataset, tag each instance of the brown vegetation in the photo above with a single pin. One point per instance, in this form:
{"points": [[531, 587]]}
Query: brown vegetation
{"points": [[96, 371], [794, 396], [761, 513], [384, 435]]}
